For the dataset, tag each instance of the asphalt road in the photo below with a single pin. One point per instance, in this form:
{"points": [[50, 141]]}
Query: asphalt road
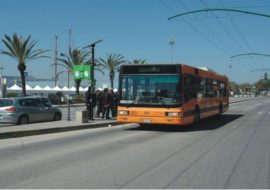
{"points": [[231, 151]]}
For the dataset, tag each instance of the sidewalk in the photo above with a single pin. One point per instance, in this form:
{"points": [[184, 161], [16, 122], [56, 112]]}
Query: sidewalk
{"points": [[51, 127]]}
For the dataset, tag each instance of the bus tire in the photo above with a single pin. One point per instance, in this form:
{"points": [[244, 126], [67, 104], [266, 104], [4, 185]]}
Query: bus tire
{"points": [[196, 117]]}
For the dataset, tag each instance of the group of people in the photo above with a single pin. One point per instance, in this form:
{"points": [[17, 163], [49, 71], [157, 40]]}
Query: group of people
{"points": [[104, 103]]}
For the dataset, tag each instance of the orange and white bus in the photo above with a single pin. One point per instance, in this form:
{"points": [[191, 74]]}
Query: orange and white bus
{"points": [[173, 94]]}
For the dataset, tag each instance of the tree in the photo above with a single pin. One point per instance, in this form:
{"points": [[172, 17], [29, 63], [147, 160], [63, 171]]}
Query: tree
{"points": [[76, 57], [138, 61], [234, 87], [112, 64], [262, 84], [22, 49], [245, 87]]}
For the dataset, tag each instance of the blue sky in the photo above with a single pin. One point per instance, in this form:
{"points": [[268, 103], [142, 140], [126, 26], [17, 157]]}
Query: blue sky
{"points": [[140, 29]]}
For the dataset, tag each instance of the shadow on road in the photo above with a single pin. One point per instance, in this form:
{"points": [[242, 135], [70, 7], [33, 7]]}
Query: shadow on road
{"points": [[211, 123]]}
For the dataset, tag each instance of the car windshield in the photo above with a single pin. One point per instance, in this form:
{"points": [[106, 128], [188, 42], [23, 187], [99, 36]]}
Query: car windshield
{"points": [[5, 102], [150, 89]]}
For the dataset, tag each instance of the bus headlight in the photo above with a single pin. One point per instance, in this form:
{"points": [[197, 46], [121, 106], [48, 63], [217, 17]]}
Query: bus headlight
{"points": [[123, 112], [174, 114]]}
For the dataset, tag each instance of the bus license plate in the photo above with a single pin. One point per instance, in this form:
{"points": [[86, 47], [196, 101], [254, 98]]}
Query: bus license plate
{"points": [[147, 121]]}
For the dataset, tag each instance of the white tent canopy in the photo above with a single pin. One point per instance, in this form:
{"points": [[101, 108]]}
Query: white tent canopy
{"points": [[47, 88], [38, 88], [57, 88], [15, 87], [28, 87], [72, 89], [65, 88]]}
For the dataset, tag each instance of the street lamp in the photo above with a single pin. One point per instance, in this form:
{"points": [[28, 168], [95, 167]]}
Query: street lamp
{"points": [[171, 43], [92, 82], [230, 69]]}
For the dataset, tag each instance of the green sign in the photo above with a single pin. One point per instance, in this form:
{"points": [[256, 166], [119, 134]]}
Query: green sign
{"points": [[81, 72]]}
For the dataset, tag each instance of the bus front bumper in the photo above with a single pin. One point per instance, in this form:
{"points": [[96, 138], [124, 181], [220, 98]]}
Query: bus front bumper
{"points": [[151, 120]]}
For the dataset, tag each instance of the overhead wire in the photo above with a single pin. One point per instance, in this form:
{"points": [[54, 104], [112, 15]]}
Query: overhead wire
{"points": [[240, 34], [209, 29], [228, 50], [196, 30], [226, 30]]}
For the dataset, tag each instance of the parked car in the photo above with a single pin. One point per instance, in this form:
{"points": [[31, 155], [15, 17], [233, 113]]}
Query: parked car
{"points": [[23, 110]]}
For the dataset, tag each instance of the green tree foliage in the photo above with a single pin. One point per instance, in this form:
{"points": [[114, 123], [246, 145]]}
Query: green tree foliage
{"points": [[22, 49], [112, 63], [233, 86], [262, 84]]}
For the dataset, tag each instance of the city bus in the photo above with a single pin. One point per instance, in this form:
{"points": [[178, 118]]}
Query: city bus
{"points": [[170, 94]]}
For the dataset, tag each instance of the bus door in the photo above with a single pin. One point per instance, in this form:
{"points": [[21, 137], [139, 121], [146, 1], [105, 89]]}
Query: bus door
{"points": [[202, 100]]}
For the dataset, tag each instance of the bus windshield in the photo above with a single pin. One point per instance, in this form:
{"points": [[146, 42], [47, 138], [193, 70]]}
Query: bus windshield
{"points": [[156, 90]]}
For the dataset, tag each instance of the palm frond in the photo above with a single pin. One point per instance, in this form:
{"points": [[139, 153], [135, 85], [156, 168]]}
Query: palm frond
{"points": [[22, 49]]}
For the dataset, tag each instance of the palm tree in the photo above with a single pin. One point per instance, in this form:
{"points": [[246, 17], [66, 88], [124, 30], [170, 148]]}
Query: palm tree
{"points": [[22, 50], [138, 61], [112, 64], [76, 57]]}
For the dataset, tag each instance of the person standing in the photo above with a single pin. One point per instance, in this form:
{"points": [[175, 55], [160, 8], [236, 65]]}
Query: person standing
{"points": [[107, 103], [114, 102], [99, 96], [90, 101]]}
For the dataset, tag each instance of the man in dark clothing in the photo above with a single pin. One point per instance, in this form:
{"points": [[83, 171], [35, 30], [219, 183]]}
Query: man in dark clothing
{"points": [[114, 102], [90, 101], [99, 96], [107, 103]]}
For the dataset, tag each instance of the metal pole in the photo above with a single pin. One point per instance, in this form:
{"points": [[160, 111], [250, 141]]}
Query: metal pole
{"points": [[92, 86], [55, 61], [69, 50], [68, 114], [171, 43], [92, 83], [230, 69]]}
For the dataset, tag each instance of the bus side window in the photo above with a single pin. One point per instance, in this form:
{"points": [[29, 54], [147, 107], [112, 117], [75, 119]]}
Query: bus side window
{"points": [[222, 90], [190, 87], [201, 88]]}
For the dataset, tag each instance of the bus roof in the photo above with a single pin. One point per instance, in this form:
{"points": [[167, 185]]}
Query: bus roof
{"points": [[185, 67]]}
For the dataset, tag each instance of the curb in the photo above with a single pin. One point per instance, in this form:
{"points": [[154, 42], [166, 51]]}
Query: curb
{"points": [[24, 133]]}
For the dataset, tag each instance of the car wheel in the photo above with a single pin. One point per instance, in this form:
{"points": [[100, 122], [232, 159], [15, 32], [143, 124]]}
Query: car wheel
{"points": [[23, 120], [57, 117]]}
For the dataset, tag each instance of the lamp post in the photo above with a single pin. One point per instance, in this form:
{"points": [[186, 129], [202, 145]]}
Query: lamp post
{"points": [[92, 80], [55, 61], [230, 69], [171, 43]]}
